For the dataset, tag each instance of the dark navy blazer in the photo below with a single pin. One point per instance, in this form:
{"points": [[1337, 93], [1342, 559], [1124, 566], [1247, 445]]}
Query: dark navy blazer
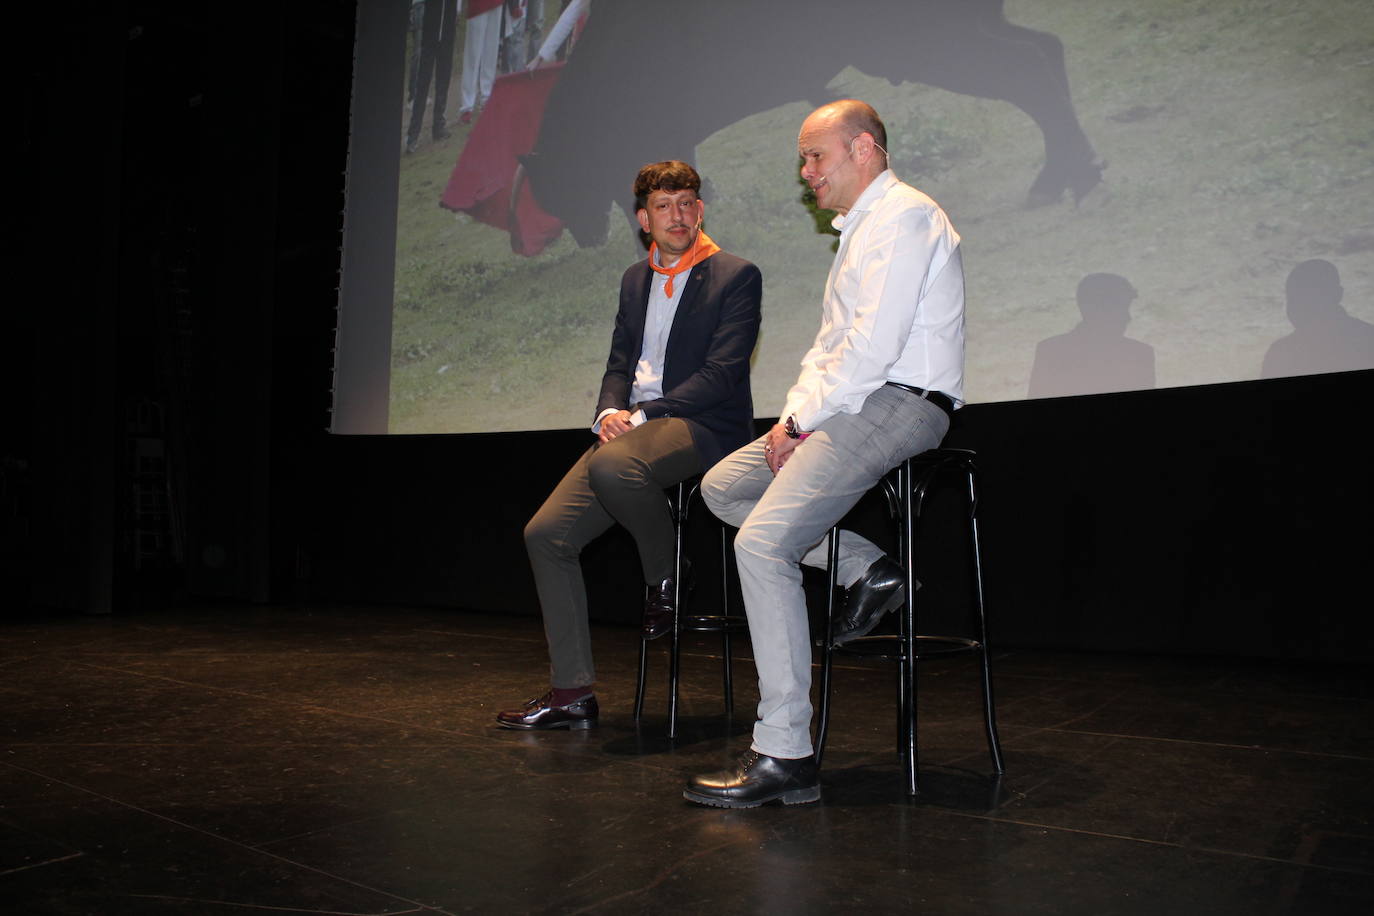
{"points": [[706, 369]]}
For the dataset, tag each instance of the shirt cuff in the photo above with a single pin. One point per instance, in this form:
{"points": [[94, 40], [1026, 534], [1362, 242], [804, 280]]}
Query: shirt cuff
{"points": [[636, 419], [795, 409], [596, 426]]}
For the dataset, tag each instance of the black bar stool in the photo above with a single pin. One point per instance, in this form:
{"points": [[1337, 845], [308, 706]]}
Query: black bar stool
{"points": [[723, 623], [906, 487]]}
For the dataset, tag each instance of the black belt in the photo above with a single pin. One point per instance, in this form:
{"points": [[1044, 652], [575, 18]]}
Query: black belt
{"points": [[938, 398]]}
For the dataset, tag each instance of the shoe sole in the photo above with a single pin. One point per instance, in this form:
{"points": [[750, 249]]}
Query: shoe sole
{"points": [[892, 604], [790, 797], [570, 726]]}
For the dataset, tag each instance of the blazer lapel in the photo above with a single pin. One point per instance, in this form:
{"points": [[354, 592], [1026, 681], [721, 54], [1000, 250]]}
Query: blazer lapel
{"points": [[691, 297], [637, 310], [646, 277]]}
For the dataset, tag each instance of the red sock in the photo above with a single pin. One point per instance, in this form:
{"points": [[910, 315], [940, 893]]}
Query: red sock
{"points": [[564, 696]]}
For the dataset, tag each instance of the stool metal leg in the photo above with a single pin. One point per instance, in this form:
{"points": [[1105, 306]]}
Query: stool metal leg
{"points": [[674, 664], [729, 679], [643, 669], [907, 663], [725, 611], [989, 708], [832, 575]]}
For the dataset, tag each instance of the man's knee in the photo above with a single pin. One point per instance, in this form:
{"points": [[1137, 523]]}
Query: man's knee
{"points": [[713, 487], [613, 470], [536, 533], [544, 536], [751, 542]]}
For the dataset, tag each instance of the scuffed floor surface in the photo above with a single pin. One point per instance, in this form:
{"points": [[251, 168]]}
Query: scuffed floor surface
{"points": [[344, 760]]}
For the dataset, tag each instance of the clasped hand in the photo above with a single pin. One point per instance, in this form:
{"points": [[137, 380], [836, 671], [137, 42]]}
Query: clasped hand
{"points": [[778, 447], [615, 424]]}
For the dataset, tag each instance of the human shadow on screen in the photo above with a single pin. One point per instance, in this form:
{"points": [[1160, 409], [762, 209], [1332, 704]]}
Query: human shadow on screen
{"points": [[1096, 356], [1325, 338]]}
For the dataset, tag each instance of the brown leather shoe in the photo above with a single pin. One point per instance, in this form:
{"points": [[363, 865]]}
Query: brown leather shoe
{"points": [[756, 780], [658, 610], [540, 713], [658, 604]]}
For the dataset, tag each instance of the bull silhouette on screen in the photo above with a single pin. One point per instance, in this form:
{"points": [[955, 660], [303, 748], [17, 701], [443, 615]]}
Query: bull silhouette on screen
{"points": [[650, 79]]}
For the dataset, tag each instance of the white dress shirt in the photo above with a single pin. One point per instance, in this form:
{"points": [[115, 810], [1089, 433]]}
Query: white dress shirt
{"points": [[893, 308]]}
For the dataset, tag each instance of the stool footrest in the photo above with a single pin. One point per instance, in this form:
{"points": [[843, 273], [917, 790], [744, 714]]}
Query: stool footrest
{"points": [[712, 623], [892, 646], [945, 645]]}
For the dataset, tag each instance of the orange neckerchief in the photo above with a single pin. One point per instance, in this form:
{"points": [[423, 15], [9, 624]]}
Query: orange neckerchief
{"points": [[701, 249]]}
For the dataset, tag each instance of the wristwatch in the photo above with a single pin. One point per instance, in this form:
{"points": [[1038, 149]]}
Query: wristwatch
{"points": [[793, 430]]}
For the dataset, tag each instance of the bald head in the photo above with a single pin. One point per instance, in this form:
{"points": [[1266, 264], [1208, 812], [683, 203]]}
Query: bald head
{"points": [[843, 148], [852, 118], [860, 117]]}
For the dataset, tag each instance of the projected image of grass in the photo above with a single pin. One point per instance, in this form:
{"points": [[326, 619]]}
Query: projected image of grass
{"points": [[484, 339], [1239, 138]]}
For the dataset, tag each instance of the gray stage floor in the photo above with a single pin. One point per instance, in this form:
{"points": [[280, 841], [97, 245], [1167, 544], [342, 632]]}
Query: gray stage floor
{"points": [[344, 760]]}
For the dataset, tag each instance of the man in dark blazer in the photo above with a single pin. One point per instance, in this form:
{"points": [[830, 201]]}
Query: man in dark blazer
{"points": [[674, 400]]}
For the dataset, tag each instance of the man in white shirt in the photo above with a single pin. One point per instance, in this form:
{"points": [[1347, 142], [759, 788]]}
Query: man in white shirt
{"points": [[879, 384], [675, 398]]}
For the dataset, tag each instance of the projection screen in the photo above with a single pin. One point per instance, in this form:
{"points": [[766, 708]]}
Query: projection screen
{"points": [[1151, 193]]}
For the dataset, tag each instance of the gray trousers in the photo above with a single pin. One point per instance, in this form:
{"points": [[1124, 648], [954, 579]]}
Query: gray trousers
{"points": [[782, 523], [621, 481]]}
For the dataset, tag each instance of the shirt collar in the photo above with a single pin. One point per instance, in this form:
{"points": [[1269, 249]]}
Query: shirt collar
{"points": [[876, 189]]}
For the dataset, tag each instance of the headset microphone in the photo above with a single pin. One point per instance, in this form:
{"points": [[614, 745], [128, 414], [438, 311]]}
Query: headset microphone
{"points": [[826, 177]]}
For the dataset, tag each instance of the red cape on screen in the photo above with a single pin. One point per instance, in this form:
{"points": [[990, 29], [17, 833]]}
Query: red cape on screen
{"points": [[481, 181]]}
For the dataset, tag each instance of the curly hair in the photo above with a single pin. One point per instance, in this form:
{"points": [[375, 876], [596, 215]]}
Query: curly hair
{"points": [[671, 175]]}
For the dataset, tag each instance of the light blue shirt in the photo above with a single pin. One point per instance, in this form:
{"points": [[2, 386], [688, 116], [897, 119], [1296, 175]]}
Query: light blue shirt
{"points": [[653, 352], [658, 322]]}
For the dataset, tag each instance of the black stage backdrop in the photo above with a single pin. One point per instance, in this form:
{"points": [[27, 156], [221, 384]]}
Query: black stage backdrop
{"points": [[169, 391], [1229, 519]]}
